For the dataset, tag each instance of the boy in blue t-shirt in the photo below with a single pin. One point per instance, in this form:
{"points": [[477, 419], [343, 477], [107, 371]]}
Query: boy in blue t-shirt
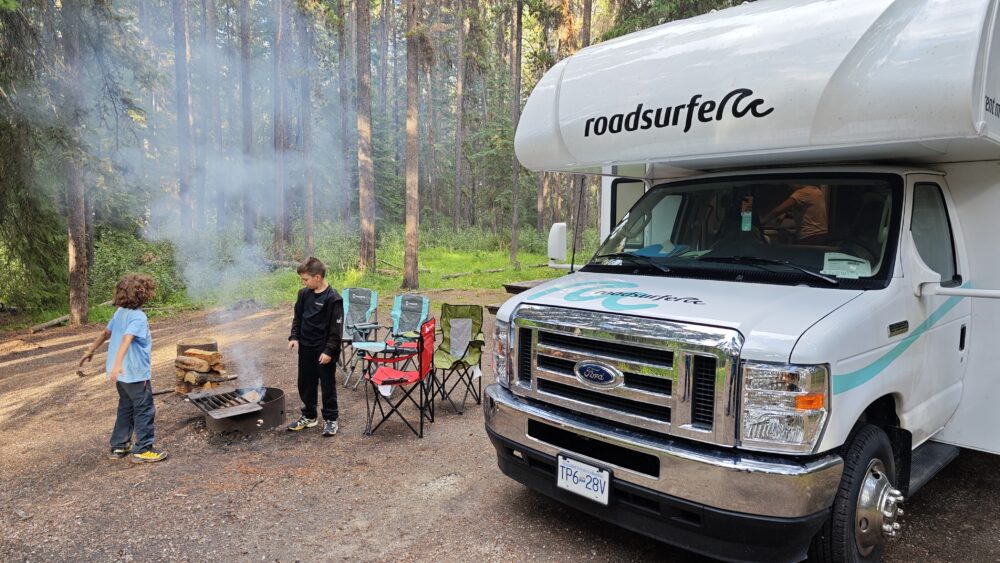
{"points": [[130, 347]]}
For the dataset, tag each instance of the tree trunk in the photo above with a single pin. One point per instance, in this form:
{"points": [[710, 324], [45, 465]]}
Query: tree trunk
{"points": [[366, 168], [212, 105], [246, 101], [383, 59], [345, 104], [459, 125], [410, 279], [182, 58], [515, 114], [433, 72], [75, 204], [278, 117], [306, 46], [588, 9]]}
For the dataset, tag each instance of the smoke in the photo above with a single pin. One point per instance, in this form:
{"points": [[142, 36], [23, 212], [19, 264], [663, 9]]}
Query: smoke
{"points": [[129, 133]]}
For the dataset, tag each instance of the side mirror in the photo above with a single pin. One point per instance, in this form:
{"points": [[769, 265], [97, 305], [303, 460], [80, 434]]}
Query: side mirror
{"points": [[914, 268], [557, 243]]}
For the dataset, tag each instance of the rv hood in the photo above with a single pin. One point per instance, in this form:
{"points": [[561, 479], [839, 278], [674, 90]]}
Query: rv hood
{"points": [[771, 318]]}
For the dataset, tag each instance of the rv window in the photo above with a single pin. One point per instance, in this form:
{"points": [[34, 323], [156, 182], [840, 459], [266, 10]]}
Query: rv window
{"points": [[835, 230], [932, 230], [624, 194]]}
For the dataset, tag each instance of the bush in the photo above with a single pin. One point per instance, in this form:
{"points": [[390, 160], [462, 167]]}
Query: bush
{"points": [[117, 253]]}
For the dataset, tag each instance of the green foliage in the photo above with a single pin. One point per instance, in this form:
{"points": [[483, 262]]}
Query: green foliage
{"points": [[9, 5], [117, 253], [633, 15]]}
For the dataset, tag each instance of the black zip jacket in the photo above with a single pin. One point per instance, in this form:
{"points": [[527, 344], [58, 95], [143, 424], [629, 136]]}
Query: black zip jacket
{"points": [[318, 321]]}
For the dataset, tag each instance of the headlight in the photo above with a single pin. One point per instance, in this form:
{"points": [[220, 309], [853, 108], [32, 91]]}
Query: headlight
{"points": [[784, 407], [501, 352]]}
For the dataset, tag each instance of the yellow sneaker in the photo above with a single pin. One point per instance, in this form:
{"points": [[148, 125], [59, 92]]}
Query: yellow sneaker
{"points": [[148, 456]]}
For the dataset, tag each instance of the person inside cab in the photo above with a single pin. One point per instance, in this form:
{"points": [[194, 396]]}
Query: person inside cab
{"points": [[807, 205]]}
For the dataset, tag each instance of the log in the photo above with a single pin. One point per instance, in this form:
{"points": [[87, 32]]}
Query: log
{"points": [[179, 373], [163, 391], [183, 387], [452, 276], [188, 363], [196, 378], [207, 344], [57, 321], [421, 270], [210, 357], [219, 366]]}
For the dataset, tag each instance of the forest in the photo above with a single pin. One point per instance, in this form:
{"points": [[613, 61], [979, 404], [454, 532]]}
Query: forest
{"points": [[212, 142]]}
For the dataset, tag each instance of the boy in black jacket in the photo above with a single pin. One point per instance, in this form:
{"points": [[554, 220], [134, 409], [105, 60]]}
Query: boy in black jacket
{"points": [[316, 330]]}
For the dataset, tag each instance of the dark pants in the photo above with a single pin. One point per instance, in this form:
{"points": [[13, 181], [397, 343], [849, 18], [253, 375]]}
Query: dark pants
{"points": [[135, 414], [312, 373]]}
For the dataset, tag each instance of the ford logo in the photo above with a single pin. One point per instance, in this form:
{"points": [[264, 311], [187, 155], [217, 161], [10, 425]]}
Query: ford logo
{"points": [[597, 374]]}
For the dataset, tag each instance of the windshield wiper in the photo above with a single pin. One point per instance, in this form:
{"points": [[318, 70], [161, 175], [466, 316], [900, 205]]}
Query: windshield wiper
{"points": [[636, 259], [754, 261]]}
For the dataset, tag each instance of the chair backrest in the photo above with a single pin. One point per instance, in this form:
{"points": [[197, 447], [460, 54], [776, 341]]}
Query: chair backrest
{"points": [[409, 311], [459, 324], [426, 348], [360, 305]]}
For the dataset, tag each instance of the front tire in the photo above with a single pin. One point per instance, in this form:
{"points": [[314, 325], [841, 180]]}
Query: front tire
{"points": [[864, 511]]}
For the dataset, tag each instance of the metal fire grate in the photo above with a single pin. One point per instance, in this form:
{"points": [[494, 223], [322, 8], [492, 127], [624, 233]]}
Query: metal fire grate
{"points": [[223, 404]]}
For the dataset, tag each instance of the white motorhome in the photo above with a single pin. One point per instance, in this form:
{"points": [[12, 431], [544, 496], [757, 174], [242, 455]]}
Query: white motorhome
{"points": [[789, 326]]}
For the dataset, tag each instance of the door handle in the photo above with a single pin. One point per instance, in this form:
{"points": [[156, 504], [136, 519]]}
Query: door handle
{"points": [[961, 339]]}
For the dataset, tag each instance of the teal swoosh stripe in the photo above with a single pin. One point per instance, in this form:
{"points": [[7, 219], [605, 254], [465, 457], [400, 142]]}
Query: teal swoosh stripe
{"points": [[847, 381]]}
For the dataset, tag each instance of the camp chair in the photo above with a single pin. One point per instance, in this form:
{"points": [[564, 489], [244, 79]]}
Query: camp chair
{"points": [[360, 319], [409, 312], [460, 353], [415, 381]]}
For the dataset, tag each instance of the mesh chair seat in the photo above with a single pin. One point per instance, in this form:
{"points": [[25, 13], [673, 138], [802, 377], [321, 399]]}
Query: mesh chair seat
{"points": [[460, 354], [360, 310]]}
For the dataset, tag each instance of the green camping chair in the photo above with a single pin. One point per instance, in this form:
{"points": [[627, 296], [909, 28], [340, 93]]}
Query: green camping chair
{"points": [[458, 359]]}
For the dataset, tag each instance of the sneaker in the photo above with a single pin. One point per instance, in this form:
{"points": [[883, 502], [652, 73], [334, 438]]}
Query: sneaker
{"points": [[329, 427], [120, 451], [302, 423], [148, 456]]}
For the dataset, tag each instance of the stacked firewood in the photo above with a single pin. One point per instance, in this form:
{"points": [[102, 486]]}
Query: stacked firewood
{"points": [[198, 366]]}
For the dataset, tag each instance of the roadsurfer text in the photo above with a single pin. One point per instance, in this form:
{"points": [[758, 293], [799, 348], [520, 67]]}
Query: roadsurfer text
{"points": [[739, 103]]}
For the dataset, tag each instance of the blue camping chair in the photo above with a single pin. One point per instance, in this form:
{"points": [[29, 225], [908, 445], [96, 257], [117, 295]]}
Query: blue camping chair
{"points": [[360, 320], [409, 313]]}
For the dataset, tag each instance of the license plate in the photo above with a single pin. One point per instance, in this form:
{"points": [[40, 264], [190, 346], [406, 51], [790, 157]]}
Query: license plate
{"points": [[583, 479]]}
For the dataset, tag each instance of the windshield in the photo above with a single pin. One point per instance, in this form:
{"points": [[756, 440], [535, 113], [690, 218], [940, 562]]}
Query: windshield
{"points": [[830, 231]]}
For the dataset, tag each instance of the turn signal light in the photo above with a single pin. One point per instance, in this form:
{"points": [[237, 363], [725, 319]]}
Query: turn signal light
{"points": [[812, 401]]}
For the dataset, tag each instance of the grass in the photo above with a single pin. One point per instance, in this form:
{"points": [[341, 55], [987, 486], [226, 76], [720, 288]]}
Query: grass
{"points": [[280, 287]]}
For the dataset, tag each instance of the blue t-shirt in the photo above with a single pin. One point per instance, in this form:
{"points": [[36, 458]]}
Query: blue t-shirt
{"points": [[136, 366]]}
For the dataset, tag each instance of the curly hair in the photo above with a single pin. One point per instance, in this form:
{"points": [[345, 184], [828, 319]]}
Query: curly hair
{"points": [[134, 291]]}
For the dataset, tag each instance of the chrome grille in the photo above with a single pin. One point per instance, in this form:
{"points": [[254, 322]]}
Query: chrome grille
{"points": [[676, 378]]}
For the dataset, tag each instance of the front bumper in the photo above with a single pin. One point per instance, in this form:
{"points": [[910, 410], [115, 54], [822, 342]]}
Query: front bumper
{"points": [[728, 504]]}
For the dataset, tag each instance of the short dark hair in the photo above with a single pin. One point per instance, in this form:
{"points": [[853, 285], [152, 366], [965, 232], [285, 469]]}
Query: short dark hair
{"points": [[134, 291], [312, 266]]}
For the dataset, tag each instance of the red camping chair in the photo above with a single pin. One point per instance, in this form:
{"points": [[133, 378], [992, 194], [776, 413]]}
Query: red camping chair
{"points": [[413, 383]]}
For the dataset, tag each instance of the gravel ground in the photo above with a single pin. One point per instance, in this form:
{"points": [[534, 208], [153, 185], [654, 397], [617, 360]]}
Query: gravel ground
{"points": [[277, 496]]}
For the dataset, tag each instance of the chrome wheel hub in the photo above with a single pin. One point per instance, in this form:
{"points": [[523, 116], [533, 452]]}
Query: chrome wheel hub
{"points": [[877, 510]]}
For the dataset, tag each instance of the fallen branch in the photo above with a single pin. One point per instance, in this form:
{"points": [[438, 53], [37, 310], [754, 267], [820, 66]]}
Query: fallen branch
{"points": [[390, 264], [452, 276], [54, 322], [460, 274], [163, 391]]}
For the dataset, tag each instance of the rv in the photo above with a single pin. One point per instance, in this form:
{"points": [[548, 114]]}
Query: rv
{"points": [[790, 324]]}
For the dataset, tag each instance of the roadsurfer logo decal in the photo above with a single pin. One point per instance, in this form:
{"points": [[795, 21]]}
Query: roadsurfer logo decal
{"points": [[610, 294], [737, 103]]}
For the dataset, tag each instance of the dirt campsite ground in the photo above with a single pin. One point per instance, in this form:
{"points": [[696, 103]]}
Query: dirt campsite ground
{"points": [[279, 496]]}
